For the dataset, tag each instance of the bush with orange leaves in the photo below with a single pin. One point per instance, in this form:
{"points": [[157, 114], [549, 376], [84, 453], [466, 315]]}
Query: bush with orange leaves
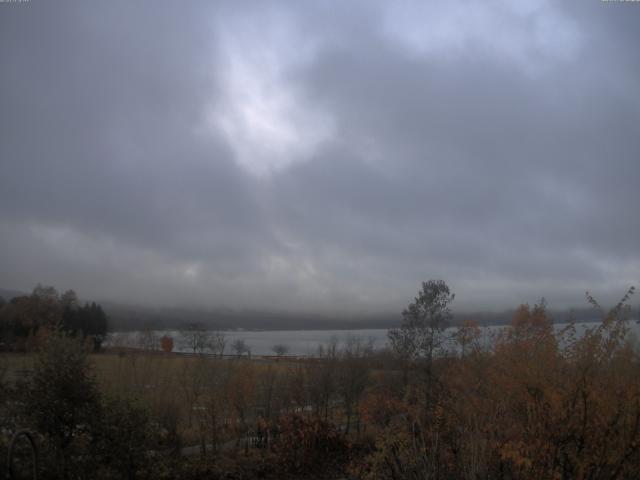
{"points": [[166, 343], [380, 408], [538, 404], [308, 444]]}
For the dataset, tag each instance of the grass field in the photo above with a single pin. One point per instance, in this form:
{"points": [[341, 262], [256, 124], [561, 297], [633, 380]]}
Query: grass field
{"points": [[185, 387]]}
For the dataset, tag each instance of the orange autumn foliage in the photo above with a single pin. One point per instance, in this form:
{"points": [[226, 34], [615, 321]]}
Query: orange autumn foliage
{"points": [[534, 404], [166, 343]]}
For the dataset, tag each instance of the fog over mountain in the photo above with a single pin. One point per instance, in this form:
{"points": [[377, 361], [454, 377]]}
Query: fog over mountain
{"points": [[320, 157]]}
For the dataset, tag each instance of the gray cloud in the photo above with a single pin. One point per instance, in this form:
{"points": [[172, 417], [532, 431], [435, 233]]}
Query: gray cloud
{"points": [[305, 156]]}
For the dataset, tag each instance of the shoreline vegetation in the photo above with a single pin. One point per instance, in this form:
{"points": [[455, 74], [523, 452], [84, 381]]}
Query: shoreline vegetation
{"points": [[533, 400]]}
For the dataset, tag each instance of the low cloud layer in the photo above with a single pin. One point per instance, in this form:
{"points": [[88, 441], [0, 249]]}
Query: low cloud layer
{"points": [[316, 156]]}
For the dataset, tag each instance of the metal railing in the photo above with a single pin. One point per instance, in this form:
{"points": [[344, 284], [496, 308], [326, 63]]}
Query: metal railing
{"points": [[11, 472]]}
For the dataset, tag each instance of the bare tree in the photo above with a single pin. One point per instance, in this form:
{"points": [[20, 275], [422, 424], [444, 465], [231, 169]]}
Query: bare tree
{"points": [[216, 400], [240, 347], [192, 382], [195, 337], [280, 349], [217, 343], [322, 377], [267, 388], [353, 375], [467, 337], [147, 339]]}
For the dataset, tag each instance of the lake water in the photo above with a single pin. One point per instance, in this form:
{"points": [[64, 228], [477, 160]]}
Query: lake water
{"points": [[306, 342]]}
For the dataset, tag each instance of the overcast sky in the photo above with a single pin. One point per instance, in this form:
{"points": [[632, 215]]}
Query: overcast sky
{"points": [[320, 156]]}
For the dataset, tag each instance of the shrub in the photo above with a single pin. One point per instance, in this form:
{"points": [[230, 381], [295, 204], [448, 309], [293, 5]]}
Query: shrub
{"points": [[63, 403], [304, 445]]}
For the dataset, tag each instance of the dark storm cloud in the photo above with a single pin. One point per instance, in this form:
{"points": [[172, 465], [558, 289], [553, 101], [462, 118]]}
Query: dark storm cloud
{"points": [[320, 156]]}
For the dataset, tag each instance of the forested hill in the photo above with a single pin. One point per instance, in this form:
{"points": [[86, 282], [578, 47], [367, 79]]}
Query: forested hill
{"points": [[128, 317]]}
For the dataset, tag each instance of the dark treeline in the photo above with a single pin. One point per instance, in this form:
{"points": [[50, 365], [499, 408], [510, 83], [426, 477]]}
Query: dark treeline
{"points": [[27, 320]]}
